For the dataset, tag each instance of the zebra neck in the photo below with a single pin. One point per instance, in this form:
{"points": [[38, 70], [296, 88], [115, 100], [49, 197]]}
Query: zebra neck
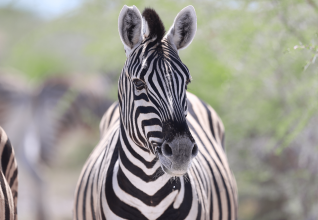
{"points": [[137, 176], [137, 152], [135, 161]]}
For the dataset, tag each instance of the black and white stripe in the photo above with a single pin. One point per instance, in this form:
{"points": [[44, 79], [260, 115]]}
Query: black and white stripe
{"points": [[8, 179], [135, 172]]}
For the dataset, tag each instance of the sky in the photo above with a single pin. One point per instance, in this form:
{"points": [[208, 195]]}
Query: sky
{"points": [[50, 9], [47, 9]]}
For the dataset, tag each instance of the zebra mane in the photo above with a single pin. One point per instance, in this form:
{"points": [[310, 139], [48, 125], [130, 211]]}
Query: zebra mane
{"points": [[156, 27]]}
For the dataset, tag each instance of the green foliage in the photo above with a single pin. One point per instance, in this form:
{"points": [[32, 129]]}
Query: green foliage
{"points": [[38, 65]]}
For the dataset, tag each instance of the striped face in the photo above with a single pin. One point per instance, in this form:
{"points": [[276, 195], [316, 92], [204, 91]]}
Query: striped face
{"points": [[153, 102], [152, 86]]}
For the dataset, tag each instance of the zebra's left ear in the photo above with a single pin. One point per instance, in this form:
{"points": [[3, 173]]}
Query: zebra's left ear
{"points": [[129, 27], [183, 29]]}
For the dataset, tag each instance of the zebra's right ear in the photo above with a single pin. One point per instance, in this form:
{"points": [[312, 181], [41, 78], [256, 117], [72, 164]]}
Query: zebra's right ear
{"points": [[129, 27], [183, 29]]}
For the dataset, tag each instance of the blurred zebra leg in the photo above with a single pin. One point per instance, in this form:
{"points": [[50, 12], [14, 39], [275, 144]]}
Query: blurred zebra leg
{"points": [[8, 179]]}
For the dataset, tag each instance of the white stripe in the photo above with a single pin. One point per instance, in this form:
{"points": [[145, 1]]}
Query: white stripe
{"points": [[194, 206], [152, 128], [180, 196]]}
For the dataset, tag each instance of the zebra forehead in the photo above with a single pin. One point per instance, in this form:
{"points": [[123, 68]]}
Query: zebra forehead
{"points": [[164, 66], [159, 57]]}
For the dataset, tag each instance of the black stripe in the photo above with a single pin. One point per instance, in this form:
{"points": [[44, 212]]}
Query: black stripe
{"points": [[223, 143], [142, 96], [79, 190], [14, 176], [6, 154], [104, 156], [101, 205], [209, 118], [154, 200], [115, 204], [136, 170], [151, 122], [154, 134], [184, 209], [11, 165], [200, 211], [6, 201], [111, 115], [191, 112], [92, 197]]}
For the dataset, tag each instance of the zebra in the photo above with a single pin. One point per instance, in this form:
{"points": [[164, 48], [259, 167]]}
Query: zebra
{"points": [[161, 152], [8, 179]]}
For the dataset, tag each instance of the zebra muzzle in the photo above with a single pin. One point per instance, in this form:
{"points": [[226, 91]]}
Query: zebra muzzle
{"points": [[175, 156]]}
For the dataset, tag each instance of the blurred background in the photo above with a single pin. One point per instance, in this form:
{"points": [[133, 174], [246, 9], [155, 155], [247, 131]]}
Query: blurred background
{"points": [[253, 61]]}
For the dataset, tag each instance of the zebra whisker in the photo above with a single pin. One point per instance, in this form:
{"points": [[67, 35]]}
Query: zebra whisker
{"points": [[186, 178], [159, 173]]}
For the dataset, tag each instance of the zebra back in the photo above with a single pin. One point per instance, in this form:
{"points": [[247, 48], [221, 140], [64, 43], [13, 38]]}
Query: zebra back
{"points": [[8, 179]]}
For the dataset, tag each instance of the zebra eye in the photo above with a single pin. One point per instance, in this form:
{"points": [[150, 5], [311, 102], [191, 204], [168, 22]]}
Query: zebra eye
{"points": [[139, 84]]}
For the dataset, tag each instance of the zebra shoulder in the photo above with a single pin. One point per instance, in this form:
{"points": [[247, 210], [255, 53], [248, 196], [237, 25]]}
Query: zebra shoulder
{"points": [[207, 117], [109, 118], [8, 179]]}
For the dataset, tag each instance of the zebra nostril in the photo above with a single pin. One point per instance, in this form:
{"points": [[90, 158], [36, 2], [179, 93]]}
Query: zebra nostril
{"points": [[167, 151], [195, 150]]}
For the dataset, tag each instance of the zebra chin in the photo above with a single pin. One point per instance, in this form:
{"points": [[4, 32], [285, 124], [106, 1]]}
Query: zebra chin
{"points": [[176, 156], [177, 173]]}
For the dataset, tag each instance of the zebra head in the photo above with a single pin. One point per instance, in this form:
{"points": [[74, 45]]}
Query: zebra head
{"points": [[152, 86]]}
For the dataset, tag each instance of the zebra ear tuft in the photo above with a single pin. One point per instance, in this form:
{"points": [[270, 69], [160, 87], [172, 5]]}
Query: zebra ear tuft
{"points": [[129, 27], [183, 29], [152, 24]]}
